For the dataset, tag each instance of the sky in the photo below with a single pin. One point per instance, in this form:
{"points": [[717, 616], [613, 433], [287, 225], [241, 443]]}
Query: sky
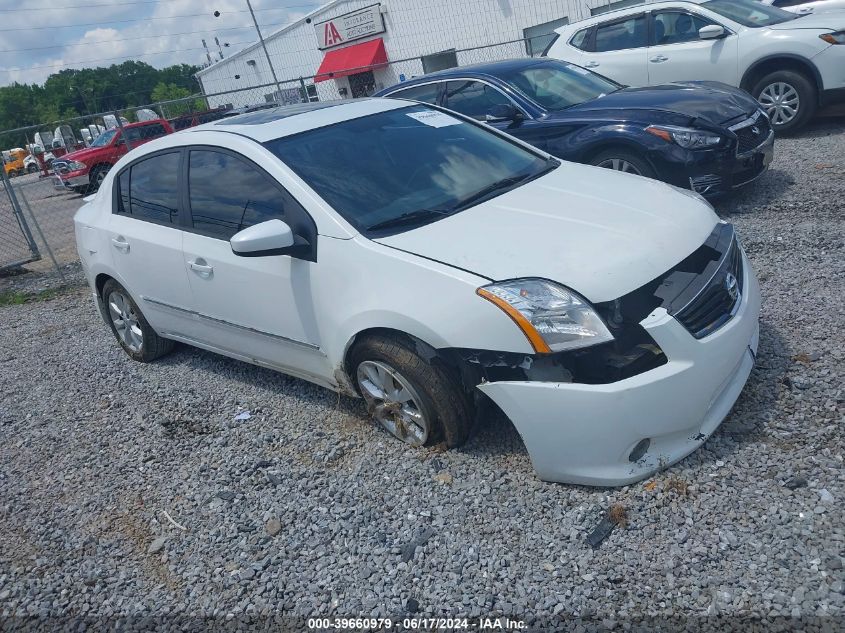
{"points": [[40, 37]]}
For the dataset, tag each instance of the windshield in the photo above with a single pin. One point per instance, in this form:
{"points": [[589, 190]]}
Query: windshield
{"points": [[104, 138], [406, 167], [749, 12], [557, 86]]}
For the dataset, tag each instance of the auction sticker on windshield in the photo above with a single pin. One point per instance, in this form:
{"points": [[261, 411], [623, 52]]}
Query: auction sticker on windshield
{"points": [[434, 119]]}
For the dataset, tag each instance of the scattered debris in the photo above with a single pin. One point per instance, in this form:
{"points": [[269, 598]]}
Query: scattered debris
{"points": [[794, 483], [226, 495], [243, 415], [678, 486], [443, 477], [170, 518], [157, 545], [825, 496], [650, 486], [618, 514], [806, 358], [412, 606], [600, 532]]}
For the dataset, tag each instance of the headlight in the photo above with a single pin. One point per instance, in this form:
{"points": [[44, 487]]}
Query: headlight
{"points": [[684, 136], [75, 165], [551, 317], [834, 38]]}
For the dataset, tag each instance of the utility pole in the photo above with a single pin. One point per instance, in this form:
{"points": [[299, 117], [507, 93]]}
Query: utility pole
{"points": [[264, 46]]}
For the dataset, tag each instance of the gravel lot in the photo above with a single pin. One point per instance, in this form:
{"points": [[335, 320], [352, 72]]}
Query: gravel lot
{"points": [[307, 509]]}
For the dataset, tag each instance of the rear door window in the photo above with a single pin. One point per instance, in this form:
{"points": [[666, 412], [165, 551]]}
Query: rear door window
{"points": [[631, 32], [149, 189], [426, 93]]}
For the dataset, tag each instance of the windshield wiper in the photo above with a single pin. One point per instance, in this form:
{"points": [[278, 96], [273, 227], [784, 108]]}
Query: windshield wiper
{"points": [[506, 183], [411, 217]]}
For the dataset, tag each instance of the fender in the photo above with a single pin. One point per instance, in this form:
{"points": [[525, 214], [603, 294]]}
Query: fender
{"points": [[807, 63]]}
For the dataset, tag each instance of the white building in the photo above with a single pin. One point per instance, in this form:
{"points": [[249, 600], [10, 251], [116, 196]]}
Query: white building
{"points": [[351, 48]]}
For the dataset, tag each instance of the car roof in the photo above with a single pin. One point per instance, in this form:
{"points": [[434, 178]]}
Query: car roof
{"points": [[491, 70], [272, 123], [623, 11]]}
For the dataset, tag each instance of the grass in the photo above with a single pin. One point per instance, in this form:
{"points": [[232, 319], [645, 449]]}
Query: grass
{"points": [[16, 298]]}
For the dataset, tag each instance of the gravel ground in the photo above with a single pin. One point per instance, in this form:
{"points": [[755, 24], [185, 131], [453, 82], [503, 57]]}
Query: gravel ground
{"points": [[306, 508]]}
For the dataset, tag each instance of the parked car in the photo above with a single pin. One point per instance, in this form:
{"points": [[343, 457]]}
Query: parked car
{"points": [[791, 64], [426, 262], [13, 161], [192, 119], [708, 137], [802, 6], [85, 169]]}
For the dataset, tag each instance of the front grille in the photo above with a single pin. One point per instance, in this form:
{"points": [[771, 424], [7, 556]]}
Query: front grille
{"points": [[719, 299], [751, 133]]}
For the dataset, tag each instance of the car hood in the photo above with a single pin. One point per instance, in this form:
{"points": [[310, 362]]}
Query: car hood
{"points": [[82, 154], [716, 102], [832, 20], [601, 233]]}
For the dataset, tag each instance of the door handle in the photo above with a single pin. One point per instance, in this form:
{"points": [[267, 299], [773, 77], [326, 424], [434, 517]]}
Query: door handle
{"points": [[120, 244], [659, 58], [592, 65], [201, 267]]}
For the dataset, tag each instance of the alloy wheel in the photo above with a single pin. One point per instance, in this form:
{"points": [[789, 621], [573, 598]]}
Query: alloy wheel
{"points": [[780, 101], [393, 402], [125, 321], [620, 164]]}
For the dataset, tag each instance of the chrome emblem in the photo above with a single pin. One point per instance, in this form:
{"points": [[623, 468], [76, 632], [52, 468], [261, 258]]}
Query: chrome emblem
{"points": [[755, 130], [732, 286]]}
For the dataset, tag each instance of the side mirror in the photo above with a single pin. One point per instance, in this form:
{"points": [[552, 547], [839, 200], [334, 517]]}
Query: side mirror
{"points": [[711, 32], [503, 112], [272, 237]]}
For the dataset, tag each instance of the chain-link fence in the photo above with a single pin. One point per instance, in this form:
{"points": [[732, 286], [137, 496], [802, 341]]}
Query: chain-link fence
{"points": [[60, 162], [17, 246]]}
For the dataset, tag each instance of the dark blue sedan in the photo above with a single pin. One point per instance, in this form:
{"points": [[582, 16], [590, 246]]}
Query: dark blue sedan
{"points": [[704, 136]]}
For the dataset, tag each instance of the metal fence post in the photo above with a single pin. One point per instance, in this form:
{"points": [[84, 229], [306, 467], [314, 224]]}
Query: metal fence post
{"points": [[16, 211], [43, 238], [123, 135]]}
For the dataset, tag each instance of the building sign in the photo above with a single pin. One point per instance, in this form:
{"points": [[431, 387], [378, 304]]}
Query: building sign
{"points": [[349, 27]]}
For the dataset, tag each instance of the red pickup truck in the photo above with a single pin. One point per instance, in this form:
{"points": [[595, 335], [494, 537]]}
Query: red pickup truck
{"points": [[84, 170]]}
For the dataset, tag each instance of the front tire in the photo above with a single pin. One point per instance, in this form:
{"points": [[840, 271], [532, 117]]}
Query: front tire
{"points": [[625, 161], [788, 97], [31, 168], [417, 401], [130, 328]]}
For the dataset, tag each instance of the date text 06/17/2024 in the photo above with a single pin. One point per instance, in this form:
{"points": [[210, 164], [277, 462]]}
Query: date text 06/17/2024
{"points": [[416, 624]]}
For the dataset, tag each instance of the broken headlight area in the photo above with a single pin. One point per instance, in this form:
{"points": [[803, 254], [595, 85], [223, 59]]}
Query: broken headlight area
{"points": [[631, 351]]}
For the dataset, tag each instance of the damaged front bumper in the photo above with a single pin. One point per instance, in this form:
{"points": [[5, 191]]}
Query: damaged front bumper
{"points": [[595, 434]]}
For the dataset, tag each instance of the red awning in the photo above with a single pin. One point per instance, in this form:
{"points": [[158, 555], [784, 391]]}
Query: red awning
{"points": [[351, 60]]}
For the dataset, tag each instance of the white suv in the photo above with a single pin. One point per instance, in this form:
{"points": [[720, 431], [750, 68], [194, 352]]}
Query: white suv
{"points": [[791, 63], [802, 6]]}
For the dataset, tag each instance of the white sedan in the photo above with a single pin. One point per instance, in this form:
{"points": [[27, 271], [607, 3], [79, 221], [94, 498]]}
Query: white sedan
{"points": [[430, 264]]}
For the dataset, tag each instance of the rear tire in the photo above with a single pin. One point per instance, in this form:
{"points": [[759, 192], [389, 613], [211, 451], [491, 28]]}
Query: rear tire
{"points": [[427, 405], [788, 97], [130, 327], [624, 160]]}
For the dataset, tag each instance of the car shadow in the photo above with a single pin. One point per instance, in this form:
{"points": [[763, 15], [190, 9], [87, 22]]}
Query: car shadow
{"points": [[769, 188]]}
